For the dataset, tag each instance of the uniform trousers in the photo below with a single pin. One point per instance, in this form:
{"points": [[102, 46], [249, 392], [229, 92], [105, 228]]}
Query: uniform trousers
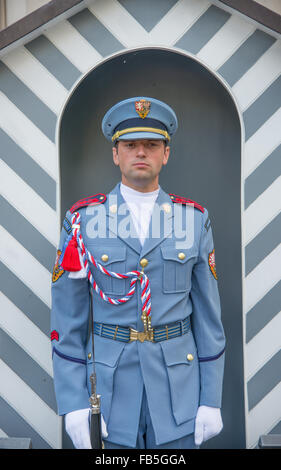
{"points": [[146, 436]]}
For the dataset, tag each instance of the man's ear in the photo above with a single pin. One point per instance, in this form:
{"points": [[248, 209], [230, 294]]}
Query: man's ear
{"points": [[166, 155], [115, 155]]}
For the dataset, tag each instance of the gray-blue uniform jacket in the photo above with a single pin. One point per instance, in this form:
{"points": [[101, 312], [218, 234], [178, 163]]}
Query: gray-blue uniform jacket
{"points": [[179, 373]]}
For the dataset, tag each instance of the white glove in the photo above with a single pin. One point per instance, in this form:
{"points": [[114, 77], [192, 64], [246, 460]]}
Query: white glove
{"points": [[208, 423], [77, 427]]}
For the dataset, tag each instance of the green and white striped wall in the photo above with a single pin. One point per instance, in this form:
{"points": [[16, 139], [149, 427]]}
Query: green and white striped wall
{"points": [[36, 78]]}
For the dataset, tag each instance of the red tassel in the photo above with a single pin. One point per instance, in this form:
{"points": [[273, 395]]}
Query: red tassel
{"points": [[71, 261]]}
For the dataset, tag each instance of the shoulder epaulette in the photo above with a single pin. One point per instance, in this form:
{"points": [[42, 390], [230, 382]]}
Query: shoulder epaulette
{"points": [[96, 199], [184, 200]]}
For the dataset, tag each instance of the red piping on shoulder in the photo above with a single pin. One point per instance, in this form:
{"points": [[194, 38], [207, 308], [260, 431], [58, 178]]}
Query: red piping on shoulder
{"points": [[184, 200], [95, 199]]}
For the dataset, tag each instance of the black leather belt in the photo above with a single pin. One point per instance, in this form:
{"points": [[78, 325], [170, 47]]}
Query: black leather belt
{"points": [[127, 334]]}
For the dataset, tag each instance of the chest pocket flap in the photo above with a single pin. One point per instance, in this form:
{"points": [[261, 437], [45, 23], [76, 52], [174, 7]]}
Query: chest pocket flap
{"points": [[177, 268], [113, 258]]}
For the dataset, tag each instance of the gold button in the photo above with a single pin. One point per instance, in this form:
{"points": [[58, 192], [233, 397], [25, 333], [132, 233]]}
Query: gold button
{"points": [[181, 255], [89, 356], [167, 208], [143, 262], [190, 357], [104, 258], [113, 208]]}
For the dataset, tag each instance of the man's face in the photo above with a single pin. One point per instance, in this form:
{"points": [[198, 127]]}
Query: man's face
{"points": [[140, 161]]}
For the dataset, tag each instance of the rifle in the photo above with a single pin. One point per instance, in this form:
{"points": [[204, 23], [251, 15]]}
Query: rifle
{"points": [[95, 416]]}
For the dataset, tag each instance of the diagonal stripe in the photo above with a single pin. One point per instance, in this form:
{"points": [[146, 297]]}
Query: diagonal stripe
{"points": [[31, 408], [22, 164], [203, 30], [29, 204], [226, 41], [265, 242], [15, 426], [265, 174], [28, 336], [276, 429], [246, 56], [262, 143], [27, 102], [27, 369], [25, 300], [73, 46], [262, 278], [264, 380], [263, 347], [263, 108], [36, 77], [177, 21], [253, 83], [147, 13], [28, 137], [265, 415], [2, 433], [120, 23], [263, 312], [95, 33], [258, 355], [24, 266], [264, 209], [54, 61], [27, 235]]}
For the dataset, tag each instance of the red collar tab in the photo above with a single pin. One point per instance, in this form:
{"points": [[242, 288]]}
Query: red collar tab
{"points": [[92, 200], [184, 200]]}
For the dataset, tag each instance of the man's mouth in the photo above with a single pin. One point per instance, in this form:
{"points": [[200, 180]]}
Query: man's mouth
{"points": [[140, 164]]}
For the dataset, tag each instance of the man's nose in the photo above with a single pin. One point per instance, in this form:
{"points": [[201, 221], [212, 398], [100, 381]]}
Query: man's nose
{"points": [[141, 151]]}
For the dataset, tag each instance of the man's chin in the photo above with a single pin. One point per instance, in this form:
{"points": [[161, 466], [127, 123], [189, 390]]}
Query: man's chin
{"points": [[141, 175], [140, 181]]}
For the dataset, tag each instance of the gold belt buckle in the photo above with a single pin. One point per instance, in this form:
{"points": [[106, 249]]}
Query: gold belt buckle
{"points": [[141, 335]]}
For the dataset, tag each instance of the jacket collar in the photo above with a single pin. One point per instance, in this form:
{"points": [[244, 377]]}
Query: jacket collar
{"points": [[122, 225]]}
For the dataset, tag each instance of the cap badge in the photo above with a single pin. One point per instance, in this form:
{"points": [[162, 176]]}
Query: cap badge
{"points": [[142, 108]]}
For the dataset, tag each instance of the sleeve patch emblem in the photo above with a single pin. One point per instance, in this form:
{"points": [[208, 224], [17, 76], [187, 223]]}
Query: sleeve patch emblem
{"points": [[207, 224], [57, 271], [212, 264], [67, 225], [54, 335]]}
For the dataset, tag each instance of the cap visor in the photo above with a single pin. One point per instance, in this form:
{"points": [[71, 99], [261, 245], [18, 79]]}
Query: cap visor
{"points": [[141, 135]]}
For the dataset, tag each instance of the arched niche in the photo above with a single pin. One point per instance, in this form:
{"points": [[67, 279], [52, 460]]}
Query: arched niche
{"points": [[205, 165]]}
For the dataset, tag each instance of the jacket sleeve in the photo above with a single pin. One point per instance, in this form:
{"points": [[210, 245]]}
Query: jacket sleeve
{"points": [[206, 319], [69, 331]]}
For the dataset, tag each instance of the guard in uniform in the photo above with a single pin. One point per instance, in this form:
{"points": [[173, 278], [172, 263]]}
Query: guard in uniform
{"points": [[158, 338]]}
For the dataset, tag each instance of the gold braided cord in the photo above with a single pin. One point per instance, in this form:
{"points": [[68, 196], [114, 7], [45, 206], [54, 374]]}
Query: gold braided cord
{"points": [[140, 129]]}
